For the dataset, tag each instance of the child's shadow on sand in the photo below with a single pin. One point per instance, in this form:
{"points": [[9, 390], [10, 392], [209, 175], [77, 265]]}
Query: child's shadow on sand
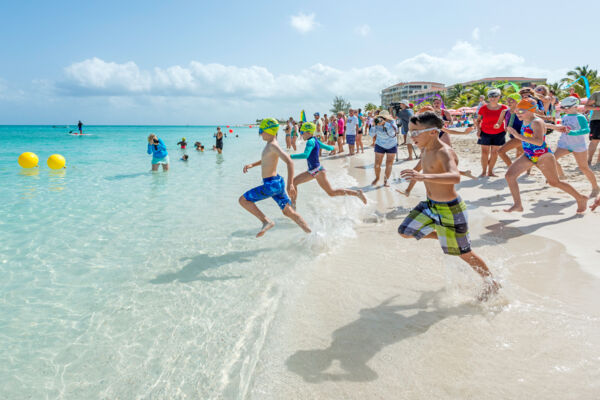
{"points": [[355, 344]]}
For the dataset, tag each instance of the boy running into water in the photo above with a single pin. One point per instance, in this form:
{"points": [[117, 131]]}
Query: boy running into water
{"points": [[572, 140], [273, 184], [315, 170], [536, 152], [443, 215]]}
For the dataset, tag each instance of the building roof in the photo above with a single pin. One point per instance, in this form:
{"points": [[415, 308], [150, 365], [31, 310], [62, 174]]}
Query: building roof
{"points": [[415, 83], [503, 78]]}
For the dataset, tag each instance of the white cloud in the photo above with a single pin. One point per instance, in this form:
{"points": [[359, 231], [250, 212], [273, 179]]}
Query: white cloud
{"points": [[303, 22], [363, 30], [177, 93], [475, 34]]}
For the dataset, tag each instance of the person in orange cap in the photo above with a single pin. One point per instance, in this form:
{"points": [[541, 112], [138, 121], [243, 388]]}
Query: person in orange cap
{"points": [[536, 152]]}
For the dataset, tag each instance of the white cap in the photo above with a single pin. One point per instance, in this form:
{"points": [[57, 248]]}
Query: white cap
{"points": [[569, 102]]}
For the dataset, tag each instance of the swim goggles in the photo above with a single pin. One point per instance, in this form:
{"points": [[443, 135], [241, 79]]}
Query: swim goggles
{"points": [[417, 133]]}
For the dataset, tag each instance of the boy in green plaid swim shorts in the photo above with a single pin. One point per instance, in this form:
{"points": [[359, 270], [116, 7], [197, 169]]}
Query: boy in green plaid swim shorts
{"points": [[443, 216]]}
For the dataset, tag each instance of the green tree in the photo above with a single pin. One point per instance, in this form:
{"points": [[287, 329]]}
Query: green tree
{"points": [[475, 91], [370, 107], [464, 100], [590, 74], [339, 104], [455, 92]]}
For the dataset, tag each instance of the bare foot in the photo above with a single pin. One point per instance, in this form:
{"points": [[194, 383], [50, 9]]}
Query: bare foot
{"points": [[385, 183], [582, 204], [595, 192], [515, 208], [482, 174], [404, 192], [492, 174], [362, 196], [374, 182], [408, 159], [266, 226], [490, 289], [596, 204]]}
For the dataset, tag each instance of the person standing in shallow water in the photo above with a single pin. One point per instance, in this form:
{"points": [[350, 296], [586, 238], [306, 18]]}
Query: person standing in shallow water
{"points": [[157, 148], [80, 127], [219, 143]]}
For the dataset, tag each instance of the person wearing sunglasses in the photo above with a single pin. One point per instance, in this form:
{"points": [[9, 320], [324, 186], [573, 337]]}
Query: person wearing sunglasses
{"points": [[273, 184], [536, 152], [489, 137], [443, 215], [386, 144]]}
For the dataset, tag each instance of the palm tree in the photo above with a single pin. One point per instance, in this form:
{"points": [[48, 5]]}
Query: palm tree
{"points": [[464, 100], [454, 92], [590, 74], [370, 107], [476, 91], [340, 104]]}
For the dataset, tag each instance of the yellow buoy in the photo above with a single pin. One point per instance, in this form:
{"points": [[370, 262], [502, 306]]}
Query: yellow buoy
{"points": [[56, 161], [28, 160]]}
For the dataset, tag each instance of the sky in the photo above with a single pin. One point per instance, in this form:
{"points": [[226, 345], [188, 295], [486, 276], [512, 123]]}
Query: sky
{"points": [[196, 62]]}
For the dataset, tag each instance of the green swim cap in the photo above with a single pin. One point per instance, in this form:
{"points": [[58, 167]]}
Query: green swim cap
{"points": [[515, 96], [309, 127], [269, 125]]}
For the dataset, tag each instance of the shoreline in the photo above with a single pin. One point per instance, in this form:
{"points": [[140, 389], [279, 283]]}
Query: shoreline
{"points": [[385, 317]]}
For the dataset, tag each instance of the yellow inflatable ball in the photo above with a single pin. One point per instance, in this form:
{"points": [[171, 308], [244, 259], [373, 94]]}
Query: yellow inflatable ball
{"points": [[56, 161], [28, 160]]}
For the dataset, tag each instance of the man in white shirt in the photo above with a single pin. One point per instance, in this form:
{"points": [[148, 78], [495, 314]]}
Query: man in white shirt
{"points": [[351, 130], [319, 128]]}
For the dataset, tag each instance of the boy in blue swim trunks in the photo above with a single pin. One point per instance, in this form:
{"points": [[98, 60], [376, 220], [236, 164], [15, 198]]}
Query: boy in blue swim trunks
{"points": [[443, 216], [315, 169], [273, 185]]}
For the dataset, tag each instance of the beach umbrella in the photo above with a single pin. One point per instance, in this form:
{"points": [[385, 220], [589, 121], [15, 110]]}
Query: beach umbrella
{"points": [[302, 116]]}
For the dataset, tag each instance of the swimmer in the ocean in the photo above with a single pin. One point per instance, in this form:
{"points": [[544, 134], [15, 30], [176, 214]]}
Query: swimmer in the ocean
{"points": [[273, 184], [185, 157], [182, 144], [315, 169]]}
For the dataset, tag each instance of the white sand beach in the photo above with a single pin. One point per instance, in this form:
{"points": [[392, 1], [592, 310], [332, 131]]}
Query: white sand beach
{"points": [[383, 317]]}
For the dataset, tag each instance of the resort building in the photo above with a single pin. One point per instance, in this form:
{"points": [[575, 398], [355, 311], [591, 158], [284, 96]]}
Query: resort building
{"points": [[410, 91], [521, 81]]}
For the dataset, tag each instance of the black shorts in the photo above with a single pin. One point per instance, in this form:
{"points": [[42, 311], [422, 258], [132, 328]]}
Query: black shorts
{"points": [[595, 129], [487, 139]]}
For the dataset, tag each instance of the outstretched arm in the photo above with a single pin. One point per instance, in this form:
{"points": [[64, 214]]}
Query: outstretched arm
{"points": [[307, 149], [254, 164], [500, 119], [325, 146]]}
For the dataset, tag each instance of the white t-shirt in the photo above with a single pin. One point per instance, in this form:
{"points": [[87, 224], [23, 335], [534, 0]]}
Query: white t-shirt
{"points": [[319, 125], [351, 125]]}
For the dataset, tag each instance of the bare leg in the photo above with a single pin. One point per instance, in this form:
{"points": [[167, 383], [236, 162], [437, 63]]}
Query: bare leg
{"points": [[547, 164], [294, 138], [389, 164], [326, 186], [155, 167], [410, 150], [298, 180], [485, 156], [288, 142], [558, 154], [520, 165], [492, 161], [592, 150], [289, 212], [165, 167], [581, 158], [511, 144], [340, 144], [481, 268], [378, 161], [253, 209], [351, 147]]}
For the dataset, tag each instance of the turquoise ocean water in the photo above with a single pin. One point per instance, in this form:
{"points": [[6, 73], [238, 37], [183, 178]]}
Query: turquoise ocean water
{"points": [[121, 283]]}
